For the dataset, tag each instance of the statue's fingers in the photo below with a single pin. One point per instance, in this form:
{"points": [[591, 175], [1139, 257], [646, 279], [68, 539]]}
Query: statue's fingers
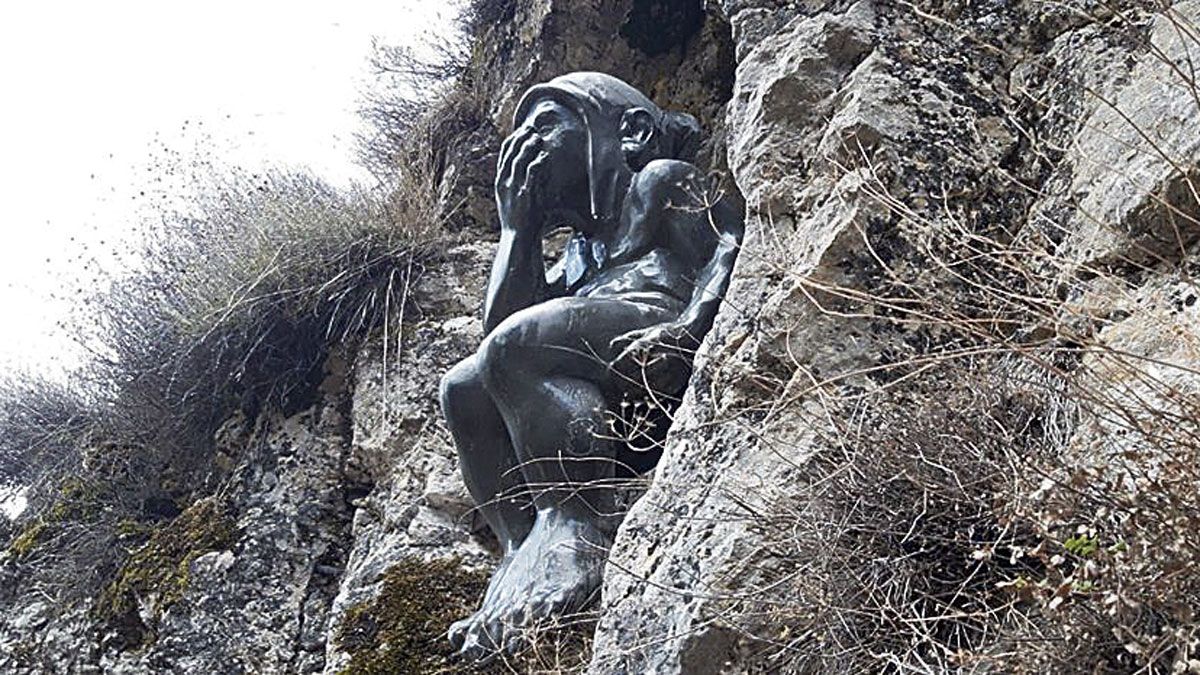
{"points": [[617, 363], [505, 159], [628, 351], [619, 360], [534, 167], [634, 356], [508, 159], [629, 338], [619, 342], [508, 170], [529, 151], [507, 144], [508, 156], [640, 347]]}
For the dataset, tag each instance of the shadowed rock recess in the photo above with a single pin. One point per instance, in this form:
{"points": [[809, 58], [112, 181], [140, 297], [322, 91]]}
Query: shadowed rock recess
{"points": [[947, 420]]}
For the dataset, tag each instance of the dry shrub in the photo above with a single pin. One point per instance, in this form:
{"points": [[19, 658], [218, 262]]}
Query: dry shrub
{"points": [[408, 82], [889, 552], [1006, 493], [41, 420], [1011, 492], [235, 307], [425, 99]]}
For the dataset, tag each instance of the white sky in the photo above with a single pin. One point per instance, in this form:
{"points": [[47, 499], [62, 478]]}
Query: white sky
{"points": [[93, 92]]}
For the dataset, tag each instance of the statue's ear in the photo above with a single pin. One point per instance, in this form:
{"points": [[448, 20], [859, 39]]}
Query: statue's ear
{"points": [[638, 136]]}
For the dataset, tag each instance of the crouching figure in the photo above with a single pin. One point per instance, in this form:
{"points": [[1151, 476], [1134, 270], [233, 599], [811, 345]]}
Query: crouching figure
{"points": [[534, 412]]}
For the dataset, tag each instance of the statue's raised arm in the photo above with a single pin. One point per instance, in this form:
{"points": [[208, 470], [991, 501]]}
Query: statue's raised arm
{"points": [[648, 263], [679, 210], [518, 277]]}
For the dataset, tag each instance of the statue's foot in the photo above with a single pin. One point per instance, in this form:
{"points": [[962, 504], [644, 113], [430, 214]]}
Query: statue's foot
{"points": [[557, 570], [459, 629]]}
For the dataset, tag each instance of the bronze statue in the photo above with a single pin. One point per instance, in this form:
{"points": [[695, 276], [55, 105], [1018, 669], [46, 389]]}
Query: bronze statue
{"points": [[639, 283]]}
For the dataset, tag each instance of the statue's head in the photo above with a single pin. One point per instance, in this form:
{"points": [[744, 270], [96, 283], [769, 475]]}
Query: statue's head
{"points": [[602, 130]]}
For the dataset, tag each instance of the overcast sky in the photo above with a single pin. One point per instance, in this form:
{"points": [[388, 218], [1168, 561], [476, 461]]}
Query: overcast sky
{"points": [[96, 93]]}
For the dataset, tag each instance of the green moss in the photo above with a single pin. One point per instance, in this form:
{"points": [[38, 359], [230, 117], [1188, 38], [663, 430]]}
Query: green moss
{"points": [[1082, 545], [76, 502], [133, 529], [160, 569], [29, 538], [403, 630]]}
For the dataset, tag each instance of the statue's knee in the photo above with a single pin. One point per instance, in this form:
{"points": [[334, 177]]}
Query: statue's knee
{"points": [[498, 353], [459, 385]]}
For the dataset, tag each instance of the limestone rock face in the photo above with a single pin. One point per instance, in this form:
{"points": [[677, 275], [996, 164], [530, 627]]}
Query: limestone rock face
{"points": [[418, 506], [874, 146], [273, 587]]}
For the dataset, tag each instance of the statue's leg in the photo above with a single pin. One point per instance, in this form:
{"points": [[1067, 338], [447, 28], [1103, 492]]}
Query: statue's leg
{"points": [[546, 367], [485, 453], [489, 468]]}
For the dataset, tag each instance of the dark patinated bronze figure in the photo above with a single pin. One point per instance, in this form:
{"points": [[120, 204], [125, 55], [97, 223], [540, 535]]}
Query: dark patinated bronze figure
{"points": [[635, 290]]}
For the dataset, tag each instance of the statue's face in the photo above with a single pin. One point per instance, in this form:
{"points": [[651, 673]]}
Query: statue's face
{"points": [[560, 128], [565, 143]]}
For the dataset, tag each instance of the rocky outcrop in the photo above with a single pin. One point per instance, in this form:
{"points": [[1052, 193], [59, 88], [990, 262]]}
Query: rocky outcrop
{"points": [[878, 148], [417, 506], [319, 507]]}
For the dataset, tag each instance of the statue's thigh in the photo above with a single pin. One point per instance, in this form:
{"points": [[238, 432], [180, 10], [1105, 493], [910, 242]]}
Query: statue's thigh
{"points": [[571, 336]]}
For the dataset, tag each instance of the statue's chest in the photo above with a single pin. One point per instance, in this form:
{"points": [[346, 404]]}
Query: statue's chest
{"points": [[585, 258]]}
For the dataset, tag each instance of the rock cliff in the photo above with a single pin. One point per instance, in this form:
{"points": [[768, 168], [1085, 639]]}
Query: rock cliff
{"points": [[946, 419]]}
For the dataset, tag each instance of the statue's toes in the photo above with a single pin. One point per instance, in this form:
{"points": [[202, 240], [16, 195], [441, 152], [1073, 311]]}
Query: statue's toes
{"points": [[477, 648], [458, 632], [537, 610], [563, 601], [514, 641], [470, 651], [562, 605], [493, 631], [476, 642]]}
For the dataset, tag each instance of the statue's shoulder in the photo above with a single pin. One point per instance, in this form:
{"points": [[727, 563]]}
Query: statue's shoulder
{"points": [[660, 174], [678, 194], [664, 182]]}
